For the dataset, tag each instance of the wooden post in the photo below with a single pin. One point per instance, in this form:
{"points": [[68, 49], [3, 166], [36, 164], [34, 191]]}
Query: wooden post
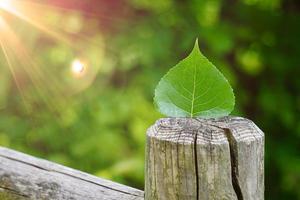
{"points": [[213, 159]]}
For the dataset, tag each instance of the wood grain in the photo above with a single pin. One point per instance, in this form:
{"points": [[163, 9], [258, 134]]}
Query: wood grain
{"points": [[213, 159], [26, 177]]}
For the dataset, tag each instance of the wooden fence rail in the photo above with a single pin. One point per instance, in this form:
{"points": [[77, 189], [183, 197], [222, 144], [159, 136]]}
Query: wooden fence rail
{"points": [[26, 177], [186, 159]]}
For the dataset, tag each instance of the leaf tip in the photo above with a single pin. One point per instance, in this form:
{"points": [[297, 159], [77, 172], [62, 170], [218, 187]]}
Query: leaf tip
{"points": [[196, 48]]}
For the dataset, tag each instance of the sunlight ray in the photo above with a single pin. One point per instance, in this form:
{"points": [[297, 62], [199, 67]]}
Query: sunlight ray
{"points": [[38, 77], [31, 16], [36, 15], [10, 66], [54, 87]]}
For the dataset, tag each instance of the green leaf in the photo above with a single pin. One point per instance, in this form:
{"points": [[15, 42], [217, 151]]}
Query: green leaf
{"points": [[194, 88]]}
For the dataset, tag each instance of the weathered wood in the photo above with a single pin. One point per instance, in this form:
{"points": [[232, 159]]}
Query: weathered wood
{"points": [[26, 177], [213, 159]]}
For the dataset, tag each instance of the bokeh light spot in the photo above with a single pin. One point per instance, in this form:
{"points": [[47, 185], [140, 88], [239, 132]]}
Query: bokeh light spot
{"points": [[77, 67]]}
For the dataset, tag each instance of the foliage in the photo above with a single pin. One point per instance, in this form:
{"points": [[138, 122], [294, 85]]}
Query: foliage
{"points": [[98, 123], [194, 88]]}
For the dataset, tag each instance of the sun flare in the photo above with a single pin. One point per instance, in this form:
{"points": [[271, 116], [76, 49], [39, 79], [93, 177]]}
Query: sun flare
{"points": [[5, 4], [29, 70]]}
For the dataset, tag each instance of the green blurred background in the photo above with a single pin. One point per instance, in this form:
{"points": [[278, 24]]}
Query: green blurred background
{"points": [[97, 122]]}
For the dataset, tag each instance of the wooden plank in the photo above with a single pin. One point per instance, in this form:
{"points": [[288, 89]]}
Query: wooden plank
{"points": [[26, 177], [188, 158]]}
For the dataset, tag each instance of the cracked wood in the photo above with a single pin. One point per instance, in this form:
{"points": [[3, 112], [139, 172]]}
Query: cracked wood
{"points": [[204, 159], [23, 177]]}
